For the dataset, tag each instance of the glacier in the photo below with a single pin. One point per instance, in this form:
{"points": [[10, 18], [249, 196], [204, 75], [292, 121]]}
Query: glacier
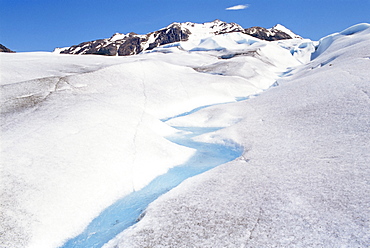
{"points": [[303, 179], [81, 133]]}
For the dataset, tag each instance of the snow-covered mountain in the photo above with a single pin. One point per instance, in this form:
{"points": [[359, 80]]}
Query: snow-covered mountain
{"points": [[278, 28], [279, 129], [278, 32], [132, 43]]}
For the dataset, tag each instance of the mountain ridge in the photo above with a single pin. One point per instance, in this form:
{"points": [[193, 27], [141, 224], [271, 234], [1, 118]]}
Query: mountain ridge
{"points": [[131, 43]]}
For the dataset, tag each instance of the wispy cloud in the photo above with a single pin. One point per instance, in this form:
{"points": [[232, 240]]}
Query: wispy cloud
{"points": [[238, 7]]}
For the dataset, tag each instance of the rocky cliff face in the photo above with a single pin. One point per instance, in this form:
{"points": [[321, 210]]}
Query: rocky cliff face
{"points": [[173, 33], [4, 49], [131, 43], [126, 45], [267, 34], [278, 32]]}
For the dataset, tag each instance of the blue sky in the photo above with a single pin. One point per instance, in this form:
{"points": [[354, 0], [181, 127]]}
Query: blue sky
{"points": [[42, 25]]}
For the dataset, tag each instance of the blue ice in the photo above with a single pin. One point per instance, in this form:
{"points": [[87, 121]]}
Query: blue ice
{"points": [[127, 211]]}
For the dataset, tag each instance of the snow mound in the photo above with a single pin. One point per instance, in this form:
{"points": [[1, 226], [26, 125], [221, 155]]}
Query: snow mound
{"points": [[355, 29], [327, 41]]}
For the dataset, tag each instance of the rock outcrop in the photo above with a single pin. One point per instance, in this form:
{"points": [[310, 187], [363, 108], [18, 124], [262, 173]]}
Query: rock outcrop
{"points": [[4, 49], [132, 43]]}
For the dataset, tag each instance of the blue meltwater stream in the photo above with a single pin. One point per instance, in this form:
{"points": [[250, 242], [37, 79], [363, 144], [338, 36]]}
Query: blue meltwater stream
{"points": [[127, 211]]}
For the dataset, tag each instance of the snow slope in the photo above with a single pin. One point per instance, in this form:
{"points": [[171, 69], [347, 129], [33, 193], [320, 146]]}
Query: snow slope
{"points": [[303, 179], [79, 133], [279, 27]]}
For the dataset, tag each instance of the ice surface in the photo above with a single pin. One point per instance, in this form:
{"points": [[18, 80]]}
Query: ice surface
{"points": [[80, 133], [28, 66], [303, 179], [326, 42], [356, 29], [126, 211]]}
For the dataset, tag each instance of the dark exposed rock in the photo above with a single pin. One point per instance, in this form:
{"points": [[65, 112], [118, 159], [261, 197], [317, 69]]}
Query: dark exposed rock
{"points": [[131, 46], [265, 34], [169, 35], [110, 50], [132, 43], [90, 47], [4, 49]]}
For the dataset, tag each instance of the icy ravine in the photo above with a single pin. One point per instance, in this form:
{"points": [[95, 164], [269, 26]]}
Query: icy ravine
{"points": [[128, 210]]}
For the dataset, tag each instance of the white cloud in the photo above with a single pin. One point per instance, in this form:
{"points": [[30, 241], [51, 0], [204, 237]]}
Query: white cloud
{"points": [[238, 7]]}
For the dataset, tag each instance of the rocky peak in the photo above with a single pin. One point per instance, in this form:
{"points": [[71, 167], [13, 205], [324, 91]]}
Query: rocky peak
{"points": [[132, 43], [212, 28], [4, 49], [281, 28], [278, 32], [170, 34]]}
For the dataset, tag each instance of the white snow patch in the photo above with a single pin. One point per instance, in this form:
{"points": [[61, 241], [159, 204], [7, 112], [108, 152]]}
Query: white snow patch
{"points": [[117, 36], [282, 28]]}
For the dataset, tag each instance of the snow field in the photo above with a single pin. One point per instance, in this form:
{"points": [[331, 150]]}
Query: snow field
{"points": [[26, 66]]}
